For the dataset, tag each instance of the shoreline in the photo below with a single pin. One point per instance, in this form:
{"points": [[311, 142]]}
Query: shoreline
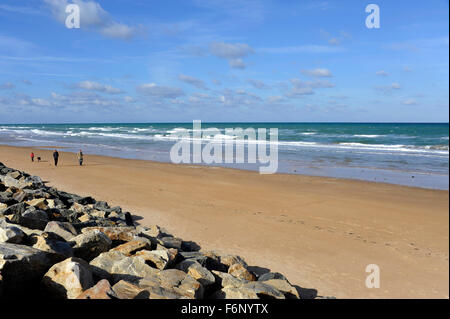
{"points": [[285, 222], [66, 149]]}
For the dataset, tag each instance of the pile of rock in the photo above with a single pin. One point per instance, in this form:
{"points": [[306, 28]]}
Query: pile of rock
{"points": [[59, 245]]}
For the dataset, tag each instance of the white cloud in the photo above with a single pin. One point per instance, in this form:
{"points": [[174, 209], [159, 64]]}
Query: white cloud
{"points": [[410, 102], [7, 86], [93, 17], [160, 91], [311, 48], [95, 86], [382, 73], [258, 84], [192, 81], [233, 52], [317, 73]]}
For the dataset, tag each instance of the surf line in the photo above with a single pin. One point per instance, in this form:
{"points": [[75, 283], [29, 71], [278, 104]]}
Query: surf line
{"points": [[210, 146]]}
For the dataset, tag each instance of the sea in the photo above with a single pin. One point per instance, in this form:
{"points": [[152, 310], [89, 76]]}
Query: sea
{"points": [[411, 154]]}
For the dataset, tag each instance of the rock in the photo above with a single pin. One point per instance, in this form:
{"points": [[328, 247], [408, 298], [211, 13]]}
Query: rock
{"points": [[68, 279], [84, 218], [196, 271], [91, 244], [234, 293], [101, 205], [57, 250], [86, 200], [31, 218], [116, 234], [207, 259], [240, 271], [22, 267], [40, 203], [115, 266], [160, 259], [170, 242], [62, 229], [18, 208], [102, 290], [227, 280], [103, 264], [153, 231], [131, 268], [133, 246], [20, 196], [229, 260], [177, 281], [284, 287], [126, 290], [262, 290], [14, 174], [3, 206], [271, 275], [10, 234]]}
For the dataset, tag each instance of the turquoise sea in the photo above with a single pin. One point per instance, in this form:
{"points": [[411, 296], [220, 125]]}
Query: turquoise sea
{"points": [[401, 153]]}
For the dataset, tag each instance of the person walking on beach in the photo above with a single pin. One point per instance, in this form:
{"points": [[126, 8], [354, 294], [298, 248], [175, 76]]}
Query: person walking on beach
{"points": [[80, 157], [55, 157], [32, 156]]}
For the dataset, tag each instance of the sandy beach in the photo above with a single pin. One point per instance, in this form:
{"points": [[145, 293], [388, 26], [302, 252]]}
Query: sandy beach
{"points": [[320, 232]]}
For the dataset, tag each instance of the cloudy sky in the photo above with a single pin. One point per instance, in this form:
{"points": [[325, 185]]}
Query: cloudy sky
{"points": [[223, 60]]}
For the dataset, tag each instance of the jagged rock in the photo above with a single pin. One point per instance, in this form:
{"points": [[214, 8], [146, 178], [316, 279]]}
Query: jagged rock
{"points": [[68, 279], [21, 268], [91, 244], [10, 233], [40, 203], [126, 290], [20, 196], [227, 280], [3, 206], [85, 200], [170, 242], [114, 265], [131, 268], [234, 293], [177, 281], [153, 231], [240, 271], [133, 246], [271, 275], [284, 287], [116, 234], [207, 259], [103, 264], [251, 290], [196, 271], [18, 208], [229, 260], [57, 250], [14, 174], [102, 290], [62, 229], [31, 218], [160, 259]]}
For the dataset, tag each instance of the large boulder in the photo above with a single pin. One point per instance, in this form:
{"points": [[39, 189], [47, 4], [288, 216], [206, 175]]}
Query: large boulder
{"points": [[196, 271], [160, 259], [115, 266], [21, 268], [116, 234], [63, 229], [252, 290], [91, 244], [9, 233], [226, 280], [133, 246], [240, 271], [31, 218], [101, 290], [57, 250], [284, 287], [68, 279]]}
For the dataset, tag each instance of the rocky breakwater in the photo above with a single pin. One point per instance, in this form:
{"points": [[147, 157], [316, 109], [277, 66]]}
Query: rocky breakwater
{"points": [[59, 245]]}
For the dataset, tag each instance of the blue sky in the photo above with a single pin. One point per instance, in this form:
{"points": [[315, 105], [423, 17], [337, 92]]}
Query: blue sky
{"points": [[217, 60]]}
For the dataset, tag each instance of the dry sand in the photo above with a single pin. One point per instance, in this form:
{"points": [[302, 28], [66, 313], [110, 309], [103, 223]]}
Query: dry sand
{"points": [[320, 232]]}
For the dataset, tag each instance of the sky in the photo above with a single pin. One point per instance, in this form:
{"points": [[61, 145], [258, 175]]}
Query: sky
{"points": [[223, 61]]}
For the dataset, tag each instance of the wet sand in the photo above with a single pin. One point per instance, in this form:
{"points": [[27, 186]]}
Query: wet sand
{"points": [[320, 232]]}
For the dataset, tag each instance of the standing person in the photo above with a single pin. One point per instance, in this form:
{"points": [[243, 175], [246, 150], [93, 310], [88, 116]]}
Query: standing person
{"points": [[55, 157], [32, 156], [80, 157]]}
